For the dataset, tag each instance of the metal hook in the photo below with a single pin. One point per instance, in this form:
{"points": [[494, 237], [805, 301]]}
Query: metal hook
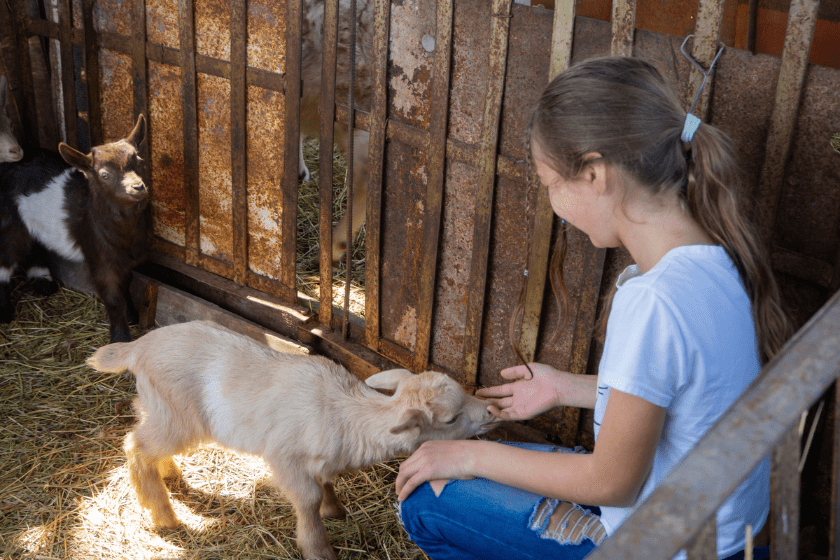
{"points": [[700, 68]]}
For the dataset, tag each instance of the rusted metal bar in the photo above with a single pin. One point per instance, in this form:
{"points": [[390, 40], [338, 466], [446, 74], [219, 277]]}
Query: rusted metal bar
{"points": [[326, 110], [834, 529], [141, 83], [784, 498], [378, 120], [438, 125], [623, 27], [291, 142], [30, 113], [584, 324], [158, 53], [68, 74], [540, 242], [802, 19], [239, 137], [704, 49], [485, 187], [94, 101], [186, 36], [704, 544], [349, 177], [746, 433]]}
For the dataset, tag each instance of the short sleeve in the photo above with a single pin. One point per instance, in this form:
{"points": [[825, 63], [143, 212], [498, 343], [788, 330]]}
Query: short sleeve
{"points": [[644, 350]]}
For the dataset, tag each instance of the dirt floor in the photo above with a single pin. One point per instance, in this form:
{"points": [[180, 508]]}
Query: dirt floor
{"points": [[64, 491]]}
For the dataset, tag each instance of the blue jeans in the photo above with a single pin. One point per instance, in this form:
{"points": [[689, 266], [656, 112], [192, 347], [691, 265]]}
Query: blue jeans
{"points": [[482, 520]]}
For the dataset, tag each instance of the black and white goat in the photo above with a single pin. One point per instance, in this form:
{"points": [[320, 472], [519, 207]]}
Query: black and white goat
{"points": [[90, 208], [10, 150]]}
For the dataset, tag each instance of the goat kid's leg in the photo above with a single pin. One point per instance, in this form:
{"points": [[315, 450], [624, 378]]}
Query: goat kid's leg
{"points": [[38, 272], [145, 475], [109, 288], [303, 171], [306, 495], [331, 506], [168, 469], [7, 309], [361, 172], [131, 314]]}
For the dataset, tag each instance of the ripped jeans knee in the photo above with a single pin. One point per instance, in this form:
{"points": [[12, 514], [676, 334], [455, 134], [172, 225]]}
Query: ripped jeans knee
{"points": [[566, 523]]}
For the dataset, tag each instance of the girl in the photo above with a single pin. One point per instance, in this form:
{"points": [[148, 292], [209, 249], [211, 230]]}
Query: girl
{"points": [[689, 326]]}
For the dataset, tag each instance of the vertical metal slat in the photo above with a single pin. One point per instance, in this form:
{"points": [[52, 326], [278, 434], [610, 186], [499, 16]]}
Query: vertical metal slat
{"points": [[186, 35], [326, 110], [784, 498], [834, 532], [238, 137], [704, 48], [378, 115], [439, 118], [141, 83], [485, 188], [704, 544], [94, 103], [540, 242], [291, 143], [30, 120], [623, 27], [802, 19], [68, 75]]}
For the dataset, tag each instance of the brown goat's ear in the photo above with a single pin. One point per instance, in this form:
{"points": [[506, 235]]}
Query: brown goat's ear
{"points": [[75, 158], [139, 133], [413, 418]]}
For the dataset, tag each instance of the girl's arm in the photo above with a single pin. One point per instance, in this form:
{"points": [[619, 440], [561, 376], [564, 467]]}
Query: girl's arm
{"points": [[527, 397], [610, 476]]}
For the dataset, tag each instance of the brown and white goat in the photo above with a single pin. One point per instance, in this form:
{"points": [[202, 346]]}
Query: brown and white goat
{"points": [[308, 417], [312, 34], [10, 149], [90, 208]]}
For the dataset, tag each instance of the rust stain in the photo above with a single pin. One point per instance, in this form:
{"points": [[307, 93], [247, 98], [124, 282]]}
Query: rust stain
{"points": [[212, 28], [167, 152], [265, 173], [412, 64], [267, 35], [112, 16], [162, 23], [117, 98], [214, 167], [406, 333]]}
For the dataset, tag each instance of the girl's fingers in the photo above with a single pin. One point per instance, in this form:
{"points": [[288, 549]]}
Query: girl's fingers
{"points": [[495, 392], [516, 372]]}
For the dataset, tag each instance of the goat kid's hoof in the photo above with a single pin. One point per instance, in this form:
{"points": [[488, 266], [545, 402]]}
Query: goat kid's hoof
{"points": [[319, 553], [45, 287], [165, 520]]}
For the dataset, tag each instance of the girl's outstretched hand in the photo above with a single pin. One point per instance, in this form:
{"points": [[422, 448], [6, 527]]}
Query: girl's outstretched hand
{"points": [[525, 398], [436, 460]]}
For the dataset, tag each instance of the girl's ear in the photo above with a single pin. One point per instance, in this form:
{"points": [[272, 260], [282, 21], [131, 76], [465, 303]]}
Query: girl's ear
{"points": [[594, 171]]}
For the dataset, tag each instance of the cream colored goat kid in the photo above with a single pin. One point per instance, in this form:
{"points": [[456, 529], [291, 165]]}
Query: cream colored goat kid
{"points": [[308, 417]]}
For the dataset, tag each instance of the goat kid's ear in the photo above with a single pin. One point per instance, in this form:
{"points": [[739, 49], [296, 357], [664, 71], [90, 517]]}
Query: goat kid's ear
{"points": [[412, 418], [74, 157], [388, 379], [139, 133]]}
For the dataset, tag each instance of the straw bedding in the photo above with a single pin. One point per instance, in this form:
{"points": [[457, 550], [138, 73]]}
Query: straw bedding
{"points": [[64, 491]]}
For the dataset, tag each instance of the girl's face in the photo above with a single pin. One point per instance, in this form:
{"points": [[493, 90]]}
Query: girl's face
{"points": [[585, 201]]}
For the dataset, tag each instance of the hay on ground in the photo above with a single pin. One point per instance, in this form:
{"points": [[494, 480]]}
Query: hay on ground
{"points": [[64, 491], [308, 275]]}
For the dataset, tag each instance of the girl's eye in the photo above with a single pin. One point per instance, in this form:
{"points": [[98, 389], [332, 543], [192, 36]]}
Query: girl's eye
{"points": [[454, 418]]}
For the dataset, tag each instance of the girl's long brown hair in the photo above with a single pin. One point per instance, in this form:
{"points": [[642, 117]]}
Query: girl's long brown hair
{"points": [[622, 108]]}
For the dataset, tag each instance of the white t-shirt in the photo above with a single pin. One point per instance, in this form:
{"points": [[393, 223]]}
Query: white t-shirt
{"points": [[681, 336]]}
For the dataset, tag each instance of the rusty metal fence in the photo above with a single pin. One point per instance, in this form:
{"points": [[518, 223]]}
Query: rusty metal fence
{"points": [[451, 208]]}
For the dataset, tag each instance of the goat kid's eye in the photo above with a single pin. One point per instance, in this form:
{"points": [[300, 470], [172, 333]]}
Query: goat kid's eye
{"points": [[104, 175], [454, 419]]}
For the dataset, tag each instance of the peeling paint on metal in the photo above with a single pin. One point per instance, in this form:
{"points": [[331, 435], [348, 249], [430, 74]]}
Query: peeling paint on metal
{"points": [[214, 167], [162, 23], [411, 63], [212, 28], [406, 333], [265, 172], [167, 152], [117, 97], [267, 35]]}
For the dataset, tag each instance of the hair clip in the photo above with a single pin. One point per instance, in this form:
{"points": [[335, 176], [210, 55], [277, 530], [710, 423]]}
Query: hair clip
{"points": [[692, 123]]}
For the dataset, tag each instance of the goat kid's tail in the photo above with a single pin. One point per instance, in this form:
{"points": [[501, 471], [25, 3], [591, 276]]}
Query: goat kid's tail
{"points": [[111, 358]]}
